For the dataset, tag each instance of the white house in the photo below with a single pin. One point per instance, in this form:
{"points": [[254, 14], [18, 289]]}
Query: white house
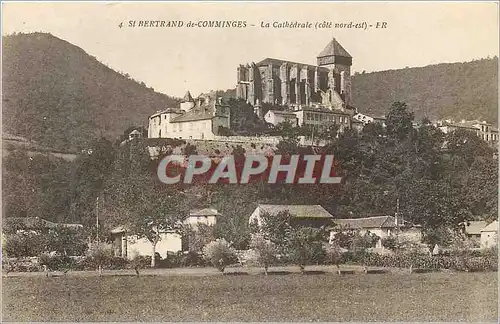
{"points": [[320, 116], [198, 118], [382, 226], [489, 235], [482, 129], [277, 116], [365, 119], [473, 230], [128, 246]]}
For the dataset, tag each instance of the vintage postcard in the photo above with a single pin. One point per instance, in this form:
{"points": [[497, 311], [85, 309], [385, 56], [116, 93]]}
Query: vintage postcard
{"points": [[250, 161]]}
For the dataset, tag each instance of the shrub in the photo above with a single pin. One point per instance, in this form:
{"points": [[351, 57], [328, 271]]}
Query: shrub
{"points": [[21, 265], [333, 254], [192, 259], [24, 244], [141, 261], [55, 262], [390, 242], [219, 253], [424, 261], [116, 263], [100, 255], [67, 241]]}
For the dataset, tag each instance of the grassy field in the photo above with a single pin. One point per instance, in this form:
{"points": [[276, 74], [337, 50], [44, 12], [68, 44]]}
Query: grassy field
{"points": [[382, 297]]}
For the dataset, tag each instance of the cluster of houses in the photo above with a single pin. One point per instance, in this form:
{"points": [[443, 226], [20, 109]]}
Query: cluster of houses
{"points": [[126, 245], [307, 215]]}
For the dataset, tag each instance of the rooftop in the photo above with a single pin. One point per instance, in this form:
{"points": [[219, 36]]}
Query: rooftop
{"points": [[269, 60], [165, 111], [204, 212], [475, 227], [334, 48], [323, 109], [368, 222], [36, 222], [282, 112], [492, 227], [187, 97], [298, 211]]}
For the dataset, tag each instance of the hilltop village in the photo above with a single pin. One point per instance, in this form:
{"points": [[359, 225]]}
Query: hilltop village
{"points": [[301, 95]]}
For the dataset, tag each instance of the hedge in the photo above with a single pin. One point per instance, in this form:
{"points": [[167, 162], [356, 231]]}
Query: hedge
{"points": [[423, 261], [485, 261]]}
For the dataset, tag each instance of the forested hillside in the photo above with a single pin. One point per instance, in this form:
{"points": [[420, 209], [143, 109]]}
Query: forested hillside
{"points": [[456, 90], [59, 96]]}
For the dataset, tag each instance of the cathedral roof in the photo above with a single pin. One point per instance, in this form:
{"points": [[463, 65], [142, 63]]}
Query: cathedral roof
{"points": [[334, 49], [187, 97], [269, 60]]}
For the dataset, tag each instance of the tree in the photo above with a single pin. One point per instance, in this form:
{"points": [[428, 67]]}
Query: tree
{"points": [[100, 254], [390, 242], [399, 121], [328, 133], [196, 238], [277, 229], [91, 172], [344, 237], [66, 241], [265, 249], [139, 203], [334, 254], [361, 242], [219, 253], [305, 245]]}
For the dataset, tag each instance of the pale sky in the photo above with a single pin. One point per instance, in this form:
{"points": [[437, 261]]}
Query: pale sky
{"points": [[173, 60]]}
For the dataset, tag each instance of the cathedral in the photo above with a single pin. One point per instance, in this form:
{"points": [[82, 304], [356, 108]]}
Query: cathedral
{"points": [[295, 84]]}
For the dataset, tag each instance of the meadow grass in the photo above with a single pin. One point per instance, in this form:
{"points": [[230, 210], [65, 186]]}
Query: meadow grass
{"points": [[325, 297]]}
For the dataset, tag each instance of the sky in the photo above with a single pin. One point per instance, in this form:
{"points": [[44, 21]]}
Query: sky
{"points": [[173, 60]]}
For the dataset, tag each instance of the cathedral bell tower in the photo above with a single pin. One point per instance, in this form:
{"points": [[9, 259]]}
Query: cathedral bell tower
{"points": [[338, 61]]}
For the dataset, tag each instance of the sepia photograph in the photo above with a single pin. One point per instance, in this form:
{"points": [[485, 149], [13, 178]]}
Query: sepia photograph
{"points": [[249, 161]]}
